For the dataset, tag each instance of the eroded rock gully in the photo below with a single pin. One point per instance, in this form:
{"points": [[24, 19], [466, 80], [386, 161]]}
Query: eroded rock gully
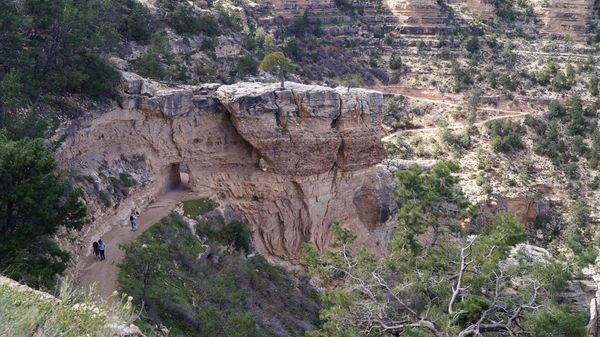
{"points": [[321, 146]]}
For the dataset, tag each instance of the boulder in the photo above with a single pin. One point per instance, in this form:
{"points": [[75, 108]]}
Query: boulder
{"points": [[131, 83]]}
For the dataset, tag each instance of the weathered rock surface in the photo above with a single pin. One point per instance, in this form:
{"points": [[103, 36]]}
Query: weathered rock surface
{"points": [[528, 209], [321, 146], [482, 8], [564, 17], [419, 16], [294, 8], [581, 293]]}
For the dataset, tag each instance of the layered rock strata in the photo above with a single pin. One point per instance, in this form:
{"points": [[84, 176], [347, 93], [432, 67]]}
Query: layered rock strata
{"points": [[419, 16], [565, 17], [482, 8], [294, 8], [320, 146]]}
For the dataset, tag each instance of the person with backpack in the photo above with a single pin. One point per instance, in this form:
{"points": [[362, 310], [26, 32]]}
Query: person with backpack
{"points": [[95, 248], [133, 219], [101, 249]]}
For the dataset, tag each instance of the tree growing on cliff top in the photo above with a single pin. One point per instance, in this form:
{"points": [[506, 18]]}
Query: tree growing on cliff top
{"points": [[278, 64], [440, 285], [34, 203]]}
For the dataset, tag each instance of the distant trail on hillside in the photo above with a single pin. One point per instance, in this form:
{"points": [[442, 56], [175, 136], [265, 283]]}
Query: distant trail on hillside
{"points": [[455, 126], [105, 274], [426, 95]]}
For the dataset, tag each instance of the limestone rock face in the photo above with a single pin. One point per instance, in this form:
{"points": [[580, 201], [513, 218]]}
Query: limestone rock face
{"points": [[293, 8], [528, 209], [321, 146], [306, 130], [483, 8], [564, 17], [419, 16]]}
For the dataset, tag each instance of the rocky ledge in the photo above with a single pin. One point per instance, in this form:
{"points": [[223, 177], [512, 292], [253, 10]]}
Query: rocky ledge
{"points": [[291, 161]]}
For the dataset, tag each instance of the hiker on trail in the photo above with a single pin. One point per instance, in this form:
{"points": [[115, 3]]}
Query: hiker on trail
{"points": [[133, 219], [101, 249], [96, 250]]}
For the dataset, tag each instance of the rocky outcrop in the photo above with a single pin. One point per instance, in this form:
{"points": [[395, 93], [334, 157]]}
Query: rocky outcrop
{"points": [[320, 145], [581, 293], [564, 17], [528, 209], [482, 8], [294, 8], [419, 16]]}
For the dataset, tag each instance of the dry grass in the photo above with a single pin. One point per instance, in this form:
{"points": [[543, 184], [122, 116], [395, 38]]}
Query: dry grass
{"points": [[74, 313]]}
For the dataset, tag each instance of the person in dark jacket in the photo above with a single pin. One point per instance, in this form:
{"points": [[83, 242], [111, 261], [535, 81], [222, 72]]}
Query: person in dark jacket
{"points": [[133, 219], [101, 249]]}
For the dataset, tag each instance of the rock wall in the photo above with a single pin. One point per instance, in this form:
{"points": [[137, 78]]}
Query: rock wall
{"points": [[482, 8], [419, 16], [321, 146], [294, 8], [564, 17]]}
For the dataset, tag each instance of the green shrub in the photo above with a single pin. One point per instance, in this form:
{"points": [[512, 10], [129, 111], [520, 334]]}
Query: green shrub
{"points": [[25, 313], [551, 144], [456, 142], [460, 76], [593, 85], [138, 23], [595, 183], [473, 45], [505, 135], [554, 320], [292, 49], [395, 62], [149, 65], [470, 310], [234, 234], [572, 171], [184, 20], [71, 60], [229, 18], [508, 82], [222, 294], [537, 124], [194, 208], [36, 203], [246, 66]]}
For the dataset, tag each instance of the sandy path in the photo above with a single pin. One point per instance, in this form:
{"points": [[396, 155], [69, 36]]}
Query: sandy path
{"points": [[105, 273], [456, 126]]}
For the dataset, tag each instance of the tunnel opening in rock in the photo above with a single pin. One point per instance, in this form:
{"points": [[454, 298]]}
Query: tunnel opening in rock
{"points": [[179, 177]]}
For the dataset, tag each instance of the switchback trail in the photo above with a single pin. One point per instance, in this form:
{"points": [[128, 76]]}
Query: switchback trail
{"points": [[104, 274], [432, 97], [456, 126]]}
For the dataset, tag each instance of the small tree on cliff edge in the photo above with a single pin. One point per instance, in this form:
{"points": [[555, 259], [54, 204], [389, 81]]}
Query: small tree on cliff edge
{"points": [[278, 64]]}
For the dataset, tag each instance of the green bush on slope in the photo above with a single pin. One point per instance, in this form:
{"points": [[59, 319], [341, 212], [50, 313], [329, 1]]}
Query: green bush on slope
{"points": [[24, 312], [34, 203], [219, 294]]}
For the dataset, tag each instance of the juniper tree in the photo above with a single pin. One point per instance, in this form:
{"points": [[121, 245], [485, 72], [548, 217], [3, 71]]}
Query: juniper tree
{"points": [[456, 284]]}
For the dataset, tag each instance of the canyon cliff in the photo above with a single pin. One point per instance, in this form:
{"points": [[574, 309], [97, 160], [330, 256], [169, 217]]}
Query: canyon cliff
{"points": [[429, 17], [318, 147]]}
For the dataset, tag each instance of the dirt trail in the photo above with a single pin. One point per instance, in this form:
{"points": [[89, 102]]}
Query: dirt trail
{"points": [[105, 274], [456, 126], [429, 96]]}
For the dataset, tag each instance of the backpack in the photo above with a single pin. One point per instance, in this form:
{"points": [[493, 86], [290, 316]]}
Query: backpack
{"points": [[131, 218]]}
